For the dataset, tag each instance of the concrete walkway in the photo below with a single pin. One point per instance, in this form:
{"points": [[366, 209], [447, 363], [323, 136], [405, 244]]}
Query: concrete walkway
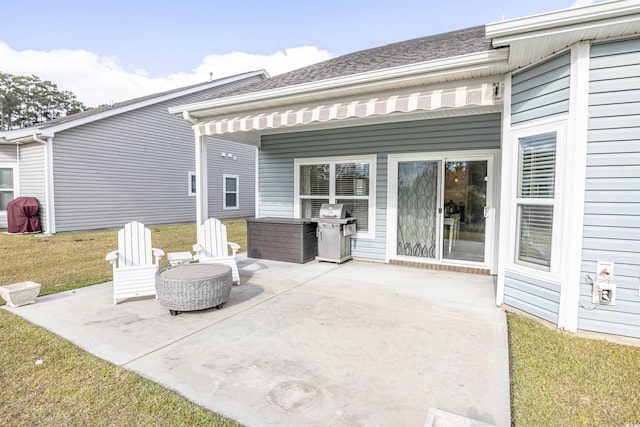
{"points": [[320, 344]]}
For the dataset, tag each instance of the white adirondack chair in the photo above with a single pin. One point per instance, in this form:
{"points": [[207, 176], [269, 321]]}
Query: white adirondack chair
{"points": [[134, 263], [212, 246]]}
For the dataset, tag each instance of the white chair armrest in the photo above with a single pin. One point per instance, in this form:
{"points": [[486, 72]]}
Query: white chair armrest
{"points": [[234, 247], [112, 257], [197, 248], [158, 253]]}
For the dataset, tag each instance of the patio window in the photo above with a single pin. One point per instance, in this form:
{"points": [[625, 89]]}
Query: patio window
{"points": [[349, 181], [230, 192], [6, 187], [536, 199]]}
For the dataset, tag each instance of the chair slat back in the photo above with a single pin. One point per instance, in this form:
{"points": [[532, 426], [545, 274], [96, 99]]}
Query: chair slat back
{"points": [[212, 236], [134, 245]]}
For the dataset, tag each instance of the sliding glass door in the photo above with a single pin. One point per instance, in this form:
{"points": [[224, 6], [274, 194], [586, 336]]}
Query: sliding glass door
{"points": [[440, 208], [418, 208], [465, 209]]}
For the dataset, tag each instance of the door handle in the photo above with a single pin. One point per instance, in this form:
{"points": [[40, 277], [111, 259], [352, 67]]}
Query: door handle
{"points": [[486, 211]]}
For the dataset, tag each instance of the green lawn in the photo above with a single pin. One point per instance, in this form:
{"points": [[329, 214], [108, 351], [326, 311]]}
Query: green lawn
{"points": [[47, 381], [557, 379]]}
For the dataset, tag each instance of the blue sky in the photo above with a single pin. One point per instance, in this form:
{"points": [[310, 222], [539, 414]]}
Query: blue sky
{"points": [[137, 47]]}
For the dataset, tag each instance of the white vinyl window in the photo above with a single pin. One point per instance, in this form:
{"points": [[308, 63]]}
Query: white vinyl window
{"points": [[7, 190], [349, 181], [536, 199], [230, 192]]}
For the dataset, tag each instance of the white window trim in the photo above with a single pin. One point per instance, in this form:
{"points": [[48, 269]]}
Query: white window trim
{"points": [[224, 192], [14, 167], [191, 177], [371, 158], [559, 126]]}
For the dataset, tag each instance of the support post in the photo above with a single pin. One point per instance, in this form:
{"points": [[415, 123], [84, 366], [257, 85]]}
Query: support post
{"points": [[575, 182], [202, 201]]}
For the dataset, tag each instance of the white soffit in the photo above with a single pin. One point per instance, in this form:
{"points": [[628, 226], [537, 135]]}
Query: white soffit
{"points": [[456, 97], [537, 37]]}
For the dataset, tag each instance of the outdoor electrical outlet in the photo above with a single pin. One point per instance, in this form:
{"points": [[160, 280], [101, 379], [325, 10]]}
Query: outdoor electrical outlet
{"points": [[604, 293], [604, 270]]}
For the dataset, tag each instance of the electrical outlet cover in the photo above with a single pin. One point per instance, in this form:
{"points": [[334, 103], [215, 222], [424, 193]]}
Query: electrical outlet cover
{"points": [[605, 265]]}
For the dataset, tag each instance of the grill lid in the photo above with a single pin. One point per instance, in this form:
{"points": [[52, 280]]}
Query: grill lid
{"points": [[334, 211]]}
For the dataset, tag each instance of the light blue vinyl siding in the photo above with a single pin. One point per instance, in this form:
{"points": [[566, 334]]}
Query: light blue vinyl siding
{"points": [[277, 154], [612, 198], [532, 296], [541, 91], [135, 166]]}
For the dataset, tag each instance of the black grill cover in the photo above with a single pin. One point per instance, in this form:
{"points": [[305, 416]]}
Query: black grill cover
{"points": [[23, 215]]}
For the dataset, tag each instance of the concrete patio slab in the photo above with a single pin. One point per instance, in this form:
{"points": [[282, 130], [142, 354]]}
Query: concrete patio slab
{"points": [[318, 344]]}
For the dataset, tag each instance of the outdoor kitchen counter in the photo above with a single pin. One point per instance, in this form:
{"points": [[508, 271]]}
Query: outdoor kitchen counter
{"points": [[282, 239]]}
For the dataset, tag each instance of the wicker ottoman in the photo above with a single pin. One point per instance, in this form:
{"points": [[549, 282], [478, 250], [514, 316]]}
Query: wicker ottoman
{"points": [[191, 287]]}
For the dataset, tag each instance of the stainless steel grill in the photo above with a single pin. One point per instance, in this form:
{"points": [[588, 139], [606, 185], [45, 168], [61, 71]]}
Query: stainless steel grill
{"points": [[335, 228]]}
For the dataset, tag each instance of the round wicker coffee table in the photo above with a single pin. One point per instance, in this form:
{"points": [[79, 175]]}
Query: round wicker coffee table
{"points": [[191, 287]]}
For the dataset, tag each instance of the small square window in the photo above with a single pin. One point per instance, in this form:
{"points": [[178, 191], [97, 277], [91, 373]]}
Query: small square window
{"points": [[230, 192]]}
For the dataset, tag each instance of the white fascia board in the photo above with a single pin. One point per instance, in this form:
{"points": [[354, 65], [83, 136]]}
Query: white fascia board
{"points": [[506, 32], [298, 93], [24, 135]]}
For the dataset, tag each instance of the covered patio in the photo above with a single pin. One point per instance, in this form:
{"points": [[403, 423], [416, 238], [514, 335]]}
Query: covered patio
{"points": [[361, 343]]}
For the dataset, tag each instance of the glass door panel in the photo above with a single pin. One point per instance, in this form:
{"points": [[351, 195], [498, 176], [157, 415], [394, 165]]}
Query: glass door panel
{"points": [[465, 202], [417, 209]]}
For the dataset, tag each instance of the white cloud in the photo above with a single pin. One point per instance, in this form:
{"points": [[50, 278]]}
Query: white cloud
{"points": [[580, 3], [98, 79], [277, 63]]}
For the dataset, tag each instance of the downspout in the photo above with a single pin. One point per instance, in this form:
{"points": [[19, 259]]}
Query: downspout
{"points": [[506, 199], [187, 116], [50, 223]]}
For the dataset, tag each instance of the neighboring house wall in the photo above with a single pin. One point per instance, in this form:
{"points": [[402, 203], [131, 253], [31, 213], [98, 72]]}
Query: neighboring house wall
{"points": [[8, 158], [240, 160], [32, 176], [277, 154], [541, 91], [538, 92], [612, 201], [132, 166], [8, 153]]}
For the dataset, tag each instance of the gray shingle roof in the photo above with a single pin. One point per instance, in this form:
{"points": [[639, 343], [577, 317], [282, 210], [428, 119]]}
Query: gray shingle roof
{"points": [[440, 46], [88, 113]]}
